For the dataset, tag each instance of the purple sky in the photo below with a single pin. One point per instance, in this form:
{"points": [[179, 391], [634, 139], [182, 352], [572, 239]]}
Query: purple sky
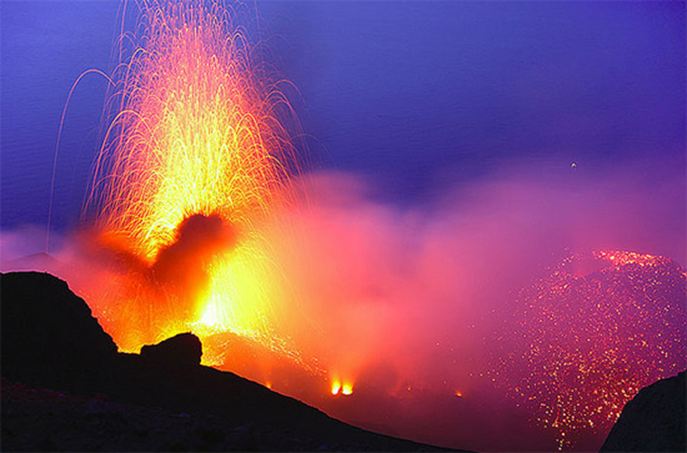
{"points": [[421, 97]]}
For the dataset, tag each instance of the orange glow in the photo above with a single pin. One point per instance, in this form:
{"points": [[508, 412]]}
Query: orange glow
{"points": [[336, 387], [458, 394], [194, 134], [347, 389], [339, 387]]}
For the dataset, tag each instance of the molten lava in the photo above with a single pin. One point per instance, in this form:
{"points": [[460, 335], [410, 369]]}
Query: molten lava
{"points": [[341, 388], [194, 160]]}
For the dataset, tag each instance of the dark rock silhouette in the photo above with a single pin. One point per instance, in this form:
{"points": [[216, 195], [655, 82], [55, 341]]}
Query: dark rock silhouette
{"points": [[654, 420], [65, 387], [182, 350], [49, 336]]}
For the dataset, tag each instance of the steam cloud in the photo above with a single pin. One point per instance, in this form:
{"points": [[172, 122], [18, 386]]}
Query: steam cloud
{"points": [[405, 302]]}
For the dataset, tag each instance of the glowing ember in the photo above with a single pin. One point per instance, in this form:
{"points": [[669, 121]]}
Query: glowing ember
{"points": [[619, 258], [193, 132], [588, 342]]}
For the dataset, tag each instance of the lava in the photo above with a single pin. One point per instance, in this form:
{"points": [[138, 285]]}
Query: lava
{"points": [[339, 387], [194, 132], [588, 342]]}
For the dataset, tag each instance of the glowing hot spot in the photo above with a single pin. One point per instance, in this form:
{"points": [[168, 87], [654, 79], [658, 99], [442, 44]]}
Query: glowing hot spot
{"points": [[336, 387], [339, 387]]}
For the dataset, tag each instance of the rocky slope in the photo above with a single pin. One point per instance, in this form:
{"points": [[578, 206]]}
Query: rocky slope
{"points": [[654, 420], [65, 387]]}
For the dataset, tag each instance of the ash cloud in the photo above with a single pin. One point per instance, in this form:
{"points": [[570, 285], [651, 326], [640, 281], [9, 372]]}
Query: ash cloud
{"points": [[127, 292], [182, 266]]}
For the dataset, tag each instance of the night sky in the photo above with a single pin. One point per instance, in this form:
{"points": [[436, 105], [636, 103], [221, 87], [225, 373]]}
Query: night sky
{"points": [[419, 97]]}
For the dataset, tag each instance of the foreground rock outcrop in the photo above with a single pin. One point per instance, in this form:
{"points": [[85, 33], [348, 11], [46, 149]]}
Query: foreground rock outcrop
{"points": [[49, 337], [181, 351], [654, 420], [65, 387]]}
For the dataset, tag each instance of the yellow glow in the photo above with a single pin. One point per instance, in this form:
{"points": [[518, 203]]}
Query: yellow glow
{"points": [[340, 387], [238, 295], [194, 131]]}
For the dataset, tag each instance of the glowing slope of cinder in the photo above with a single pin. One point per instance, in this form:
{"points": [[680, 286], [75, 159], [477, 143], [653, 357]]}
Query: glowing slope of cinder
{"points": [[592, 334]]}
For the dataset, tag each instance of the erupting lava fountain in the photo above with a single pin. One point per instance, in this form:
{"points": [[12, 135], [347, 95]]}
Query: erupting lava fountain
{"points": [[193, 161]]}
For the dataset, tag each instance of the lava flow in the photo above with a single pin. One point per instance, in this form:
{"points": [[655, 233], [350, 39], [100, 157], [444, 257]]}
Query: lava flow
{"points": [[194, 159]]}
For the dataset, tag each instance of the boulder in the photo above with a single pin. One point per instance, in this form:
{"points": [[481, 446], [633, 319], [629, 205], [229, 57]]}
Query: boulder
{"points": [[180, 351]]}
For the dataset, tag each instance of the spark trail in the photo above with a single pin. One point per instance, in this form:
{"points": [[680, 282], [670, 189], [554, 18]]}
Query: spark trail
{"points": [[194, 132]]}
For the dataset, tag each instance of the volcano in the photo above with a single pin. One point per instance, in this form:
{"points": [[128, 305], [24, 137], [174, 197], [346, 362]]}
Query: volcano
{"points": [[65, 387]]}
